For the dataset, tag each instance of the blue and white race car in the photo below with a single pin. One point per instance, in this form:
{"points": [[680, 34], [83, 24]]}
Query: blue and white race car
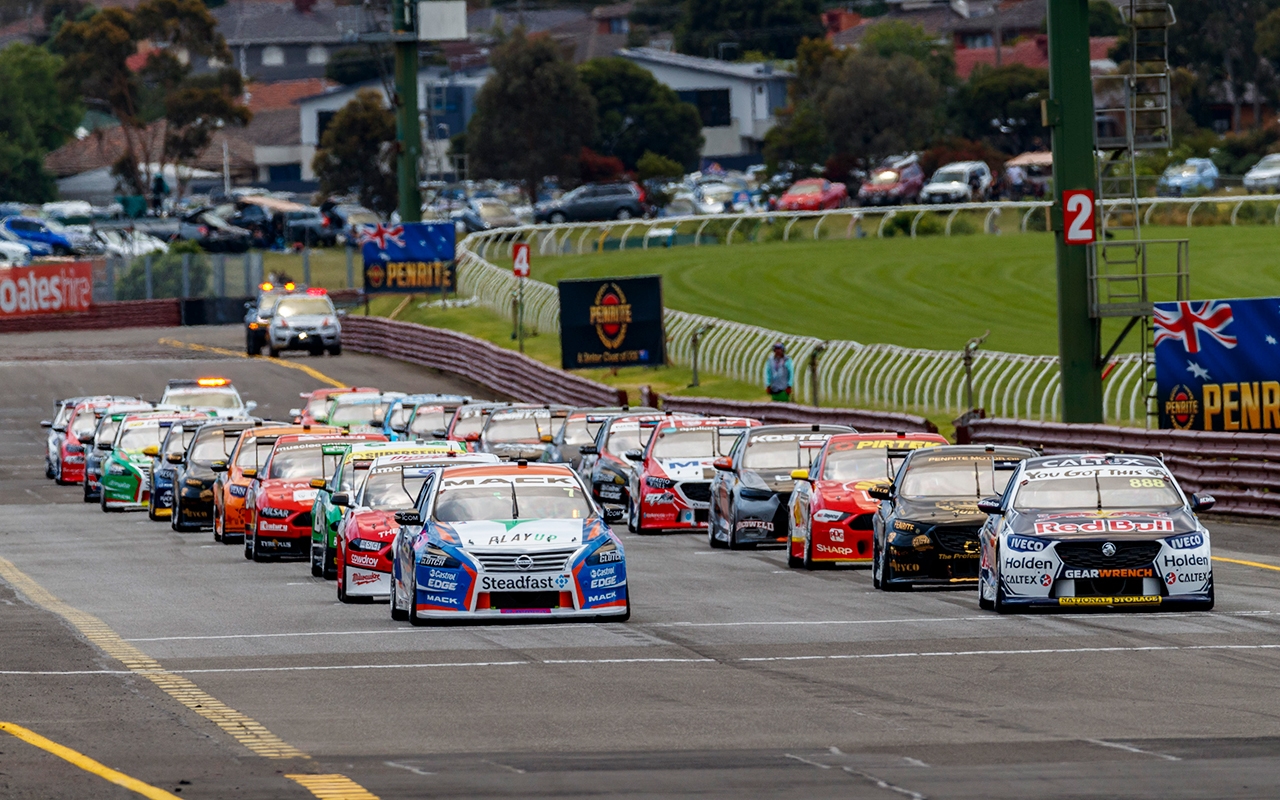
{"points": [[1094, 531], [508, 541]]}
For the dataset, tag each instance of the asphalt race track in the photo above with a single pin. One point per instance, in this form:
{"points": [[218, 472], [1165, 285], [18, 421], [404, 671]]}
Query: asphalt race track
{"points": [[736, 677]]}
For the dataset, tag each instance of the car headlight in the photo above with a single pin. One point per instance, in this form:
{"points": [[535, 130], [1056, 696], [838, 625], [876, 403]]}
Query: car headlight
{"points": [[433, 556]]}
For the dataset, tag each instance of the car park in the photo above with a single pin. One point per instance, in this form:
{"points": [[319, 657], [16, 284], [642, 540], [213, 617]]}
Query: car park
{"points": [[751, 490], [308, 227], [594, 202], [830, 518], [1192, 176], [305, 321], [194, 477], [959, 182], [14, 254], [128, 243], [504, 542], [213, 233], [926, 529], [897, 181], [1095, 531], [813, 194], [521, 431]]}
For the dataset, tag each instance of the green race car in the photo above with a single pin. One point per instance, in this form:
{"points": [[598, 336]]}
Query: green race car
{"points": [[126, 475]]}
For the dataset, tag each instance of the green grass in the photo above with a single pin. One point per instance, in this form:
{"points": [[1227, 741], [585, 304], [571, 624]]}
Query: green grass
{"points": [[931, 292], [328, 266]]}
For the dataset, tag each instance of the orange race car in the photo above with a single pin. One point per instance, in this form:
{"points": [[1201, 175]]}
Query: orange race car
{"points": [[314, 403], [232, 484], [831, 511]]}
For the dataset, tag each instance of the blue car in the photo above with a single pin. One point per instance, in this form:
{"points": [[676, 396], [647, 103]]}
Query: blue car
{"points": [[37, 235], [1190, 177], [507, 542], [396, 423]]}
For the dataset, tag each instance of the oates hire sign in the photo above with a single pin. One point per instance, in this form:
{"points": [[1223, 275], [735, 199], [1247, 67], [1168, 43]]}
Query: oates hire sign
{"points": [[46, 289], [612, 322], [414, 258]]}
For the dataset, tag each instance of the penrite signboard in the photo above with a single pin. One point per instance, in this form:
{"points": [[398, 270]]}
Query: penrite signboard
{"points": [[612, 322], [1218, 364], [414, 258]]}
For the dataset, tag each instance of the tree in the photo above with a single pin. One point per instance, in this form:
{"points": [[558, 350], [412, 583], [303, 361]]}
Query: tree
{"points": [[1104, 18], [358, 64], [533, 116], [636, 114], [166, 274], [799, 139], [36, 116], [97, 50], [774, 27], [891, 37], [357, 153], [1001, 105], [651, 165], [873, 106], [1216, 40]]}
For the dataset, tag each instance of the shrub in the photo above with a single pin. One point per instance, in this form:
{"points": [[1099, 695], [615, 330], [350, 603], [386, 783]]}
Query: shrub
{"points": [[166, 274]]}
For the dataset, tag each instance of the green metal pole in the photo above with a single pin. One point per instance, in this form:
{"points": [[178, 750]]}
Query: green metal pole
{"points": [[1070, 113], [408, 135]]}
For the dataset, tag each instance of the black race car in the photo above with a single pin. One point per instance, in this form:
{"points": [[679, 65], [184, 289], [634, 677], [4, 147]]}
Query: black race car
{"points": [[194, 476], [580, 428], [751, 490], [926, 530], [606, 466], [163, 463]]}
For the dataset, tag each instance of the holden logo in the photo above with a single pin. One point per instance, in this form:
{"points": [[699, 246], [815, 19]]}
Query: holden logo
{"points": [[610, 314], [1108, 549], [524, 562]]}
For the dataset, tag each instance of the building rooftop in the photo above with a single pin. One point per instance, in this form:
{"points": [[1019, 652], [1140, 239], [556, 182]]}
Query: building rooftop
{"points": [[735, 69]]}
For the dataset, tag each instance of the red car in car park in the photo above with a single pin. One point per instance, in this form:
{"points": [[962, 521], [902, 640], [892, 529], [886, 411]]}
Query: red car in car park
{"points": [[831, 510], [671, 486], [813, 194], [897, 181]]}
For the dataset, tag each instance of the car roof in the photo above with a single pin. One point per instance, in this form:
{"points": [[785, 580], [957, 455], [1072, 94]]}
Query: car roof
{"points": [[711, 422], [507, 469], [1086, 460], [970, 452], [888, 438], [800, 428]]}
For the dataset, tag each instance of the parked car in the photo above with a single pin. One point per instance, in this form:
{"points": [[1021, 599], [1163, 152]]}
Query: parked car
{"points": [[14, 254], [813, 194], [213, 233], [308, 227], [959, 182], [37, 235], [595, 201], [485, 213], [347, 219], [1264, 176], [124, 243], [896, 181], [1192, 175], [258, 222]]}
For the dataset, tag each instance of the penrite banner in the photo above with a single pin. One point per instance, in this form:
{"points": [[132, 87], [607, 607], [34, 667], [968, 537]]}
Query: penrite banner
{"points": [[414, 258], [1218, 364], [612, 322]]}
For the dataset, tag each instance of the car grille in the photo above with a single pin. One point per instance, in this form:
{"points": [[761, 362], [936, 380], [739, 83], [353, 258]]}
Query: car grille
{"points": [[303, 520], [862, 522], [957, 540], [698, 492], [544, 561], [1088, 555], [524, 600]]}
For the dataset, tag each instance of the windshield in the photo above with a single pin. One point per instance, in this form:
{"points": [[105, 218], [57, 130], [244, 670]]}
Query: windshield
{"points": [[298, 462], [857, 465], [502, 501], [884, 178], [84, 424], [135, 439], [805, 188], [620, 441], [429, 420], [492, 211], [177, 440], [578, 432], [253, 453], [203, 399], [107, 431], [315, 408], [1270, 161], [400, 416], [469, 422], [950, 176], [1181, 170], [780, 451], [211, 447], [956, 481], [695, 442], [1154, 491], [304, 306], [518, 427], [362, 414], [383, 490], [351, 473]]}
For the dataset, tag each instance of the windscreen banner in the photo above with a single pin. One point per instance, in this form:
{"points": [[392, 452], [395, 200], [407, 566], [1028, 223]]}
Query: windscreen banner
{"points": [[46, 289], [1218, 364], [414, 258], [612, 322]]}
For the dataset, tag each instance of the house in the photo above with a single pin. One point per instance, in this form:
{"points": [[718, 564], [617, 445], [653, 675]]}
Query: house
{"points": [[738, 101], [272, 41], [965, 24], [1031, 52]]}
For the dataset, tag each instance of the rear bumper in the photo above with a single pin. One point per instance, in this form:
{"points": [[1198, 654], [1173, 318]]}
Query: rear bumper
{"points": [[1121, 603], [363, 582]]}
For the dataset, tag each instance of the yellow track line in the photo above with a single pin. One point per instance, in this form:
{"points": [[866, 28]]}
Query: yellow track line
{"points": [[222, 351], [87, 764], [333, 787], [1257, 564]]}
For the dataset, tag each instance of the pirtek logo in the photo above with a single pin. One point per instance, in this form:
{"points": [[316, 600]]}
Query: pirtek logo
{"points": [[610, 314]]}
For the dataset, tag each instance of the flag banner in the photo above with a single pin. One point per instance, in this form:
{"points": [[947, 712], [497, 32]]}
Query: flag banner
{"points": [[414, 258], [612, 322], [1218, 364]]}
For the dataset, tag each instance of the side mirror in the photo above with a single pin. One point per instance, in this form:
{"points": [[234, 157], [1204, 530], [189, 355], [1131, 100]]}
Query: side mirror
{"points": [[545, 438], [634, 455], [406, 517], [400, 428], [60, 428], [251, 472], [799, 474], [881, 491], [990, 505], [439, 433], [295, 412], [46, 423], [723, 463], [588, 450], [343, 500], [152, 450], [251, 405], [86, 439], [613, 515], [174, 458], [1202, 502], [317, 483], [218, 466]]}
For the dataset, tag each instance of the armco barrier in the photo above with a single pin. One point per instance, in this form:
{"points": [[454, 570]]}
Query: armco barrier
{"points": [[1241, 470], [126, 314], [506, 373], [769, 413]]}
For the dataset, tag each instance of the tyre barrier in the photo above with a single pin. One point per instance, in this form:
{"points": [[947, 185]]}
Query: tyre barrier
{"points": [[1240, 470], [775, 413], [123, 314]]}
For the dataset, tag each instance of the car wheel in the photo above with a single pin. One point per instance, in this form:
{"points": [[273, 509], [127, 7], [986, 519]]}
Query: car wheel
{"points": [[558, 218], [808, 551], [732, 542], [217, 528], [712, 525], [1000, 603], [623, 617], [249, 349], [398, 614], [342, 588], [633, 517], [792, 561], [272, 352], [623, 214], [250, 547], [336, 350], [316, 351], [48, 469], [317, 566], [413, 600], [984, 595], [329, 566], [875, 565]]}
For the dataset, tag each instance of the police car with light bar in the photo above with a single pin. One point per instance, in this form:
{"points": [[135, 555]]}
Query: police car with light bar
{"points": [[214, 395], [304, 320]]}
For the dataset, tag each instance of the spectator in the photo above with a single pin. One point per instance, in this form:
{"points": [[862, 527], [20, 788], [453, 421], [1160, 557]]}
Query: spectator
{"points": [[1016, 177], [779, 374], [159, 188]]}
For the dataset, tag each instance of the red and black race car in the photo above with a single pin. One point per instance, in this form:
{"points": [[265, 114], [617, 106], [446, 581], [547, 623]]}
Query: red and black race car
{"points": [[80, 426], [314, 403], [831, 511], [670, 488], [281, 494]]}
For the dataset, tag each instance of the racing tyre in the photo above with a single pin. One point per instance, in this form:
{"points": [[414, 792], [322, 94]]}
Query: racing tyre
{"points": [[733, 544], [314, 352], [712, 522], [249, 349], [317, 566], [413, 601], [217, 529], [792, 561], [398, 614], [807, 561], [1000, 606], [48, 469], [558, 218], [336, 350], [329, 566], [250, 547], [102, 503], [272, 352], [342, 591], [633, 517], [983, 602]]}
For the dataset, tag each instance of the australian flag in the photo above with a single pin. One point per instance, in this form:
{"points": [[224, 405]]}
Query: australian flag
{"points": [[417, 257], [1218, 364]]}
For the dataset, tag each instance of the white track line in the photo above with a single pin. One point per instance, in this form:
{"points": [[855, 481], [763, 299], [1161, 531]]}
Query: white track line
{"points": [[1128, 748]]}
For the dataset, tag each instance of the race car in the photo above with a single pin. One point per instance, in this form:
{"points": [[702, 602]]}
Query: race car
{"points": [[604, 465], [172, 448], [215, 395], [76, 440], [355, 458], [57, 425], [670, 488], [126, 474], [359, 412], [98, 450], [391, 484], [468, 420], [429, 421], [194, 477], [279, 498], [829, 521], [506, 542], [395, 425], [312, 410], [1094, 531], [925, 532], [752, 485], [580, 428], [232, 484], [521, 432]]}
